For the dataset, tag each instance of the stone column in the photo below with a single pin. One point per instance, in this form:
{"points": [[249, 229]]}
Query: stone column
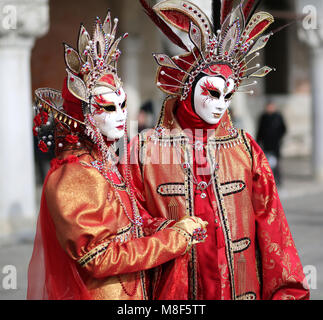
{"points": [[21, 22], [131, 81], [129, 61], [311, 33]]}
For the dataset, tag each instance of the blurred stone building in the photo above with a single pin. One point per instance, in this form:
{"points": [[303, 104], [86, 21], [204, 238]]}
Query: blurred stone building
{"points": [[58, 21], [289, 86]]}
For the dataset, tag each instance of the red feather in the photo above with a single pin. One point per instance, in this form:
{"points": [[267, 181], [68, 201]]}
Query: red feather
{"points": [[171, 35], [226, 8], [247, 7]]}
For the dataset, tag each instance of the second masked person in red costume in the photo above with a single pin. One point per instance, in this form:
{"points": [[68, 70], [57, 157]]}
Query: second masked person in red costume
{"points": [[194, 162]]}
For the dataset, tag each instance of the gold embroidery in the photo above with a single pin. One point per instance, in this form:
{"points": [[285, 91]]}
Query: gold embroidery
{"points": [[272, 216]]}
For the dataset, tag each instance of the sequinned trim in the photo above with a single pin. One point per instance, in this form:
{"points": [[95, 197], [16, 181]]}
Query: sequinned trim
{"points": [[99, 166], [123, 235], [124, 229], [232, 187], [248, 148], [164, 225], [171, 189], [241, 245], [186, 235], [100, 249], [227, 234], [247, 296]]}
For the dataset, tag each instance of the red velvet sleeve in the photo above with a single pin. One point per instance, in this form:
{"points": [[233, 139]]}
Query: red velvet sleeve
{"points": [[282, 271]]}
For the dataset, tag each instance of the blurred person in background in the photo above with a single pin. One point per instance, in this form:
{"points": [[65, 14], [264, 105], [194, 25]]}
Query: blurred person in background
{"points": [[145, 116], [92, 240], [271, 131]]}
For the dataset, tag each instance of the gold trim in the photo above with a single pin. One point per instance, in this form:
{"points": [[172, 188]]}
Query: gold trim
{"points": [[251, 25], [51, 94], [187, 236], [225, 227], [124, 229], [92, 254], [164, 225]]}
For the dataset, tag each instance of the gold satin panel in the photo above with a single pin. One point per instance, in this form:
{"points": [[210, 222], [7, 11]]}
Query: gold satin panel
{"points": [[89, 224]]}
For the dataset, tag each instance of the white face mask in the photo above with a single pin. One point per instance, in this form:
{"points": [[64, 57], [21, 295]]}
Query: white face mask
{"points": [[212, 97], [110, 114]]}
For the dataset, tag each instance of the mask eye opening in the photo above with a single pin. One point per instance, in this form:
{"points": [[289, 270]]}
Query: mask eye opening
{"points": [[109, 108], [228, 96], [214, 94], [124, 104]]}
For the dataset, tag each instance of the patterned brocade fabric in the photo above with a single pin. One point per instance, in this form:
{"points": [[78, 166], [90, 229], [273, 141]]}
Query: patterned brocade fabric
{"points": [[282, 271], [253, 249]]}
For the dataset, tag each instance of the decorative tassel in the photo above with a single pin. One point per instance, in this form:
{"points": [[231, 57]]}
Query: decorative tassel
{"points": [[173, 210], [242, 274]]}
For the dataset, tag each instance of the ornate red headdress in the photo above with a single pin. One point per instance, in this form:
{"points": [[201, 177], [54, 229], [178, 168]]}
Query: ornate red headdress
{"points": [[226, 52]]}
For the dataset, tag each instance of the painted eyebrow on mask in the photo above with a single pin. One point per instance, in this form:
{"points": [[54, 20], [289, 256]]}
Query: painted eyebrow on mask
{"points": [[208, 89], [101, 101]]}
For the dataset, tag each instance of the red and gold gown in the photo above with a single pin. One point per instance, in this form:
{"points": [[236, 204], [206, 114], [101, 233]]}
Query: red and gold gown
{"points": [[249, 253], [86, 246]]}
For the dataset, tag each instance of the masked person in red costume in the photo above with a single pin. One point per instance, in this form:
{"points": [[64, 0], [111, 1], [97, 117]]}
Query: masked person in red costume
{"points": [[92, 241], [194, 162]]}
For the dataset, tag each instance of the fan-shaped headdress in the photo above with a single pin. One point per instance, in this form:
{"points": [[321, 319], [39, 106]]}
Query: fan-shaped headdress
{"points": [[227, 51]]}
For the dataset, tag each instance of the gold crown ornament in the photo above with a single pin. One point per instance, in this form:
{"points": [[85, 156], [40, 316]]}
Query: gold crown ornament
{"points": [[95, 60], [93, 63]]}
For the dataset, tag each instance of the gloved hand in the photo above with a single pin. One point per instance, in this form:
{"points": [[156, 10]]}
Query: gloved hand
{"points": [[193, 227]]}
